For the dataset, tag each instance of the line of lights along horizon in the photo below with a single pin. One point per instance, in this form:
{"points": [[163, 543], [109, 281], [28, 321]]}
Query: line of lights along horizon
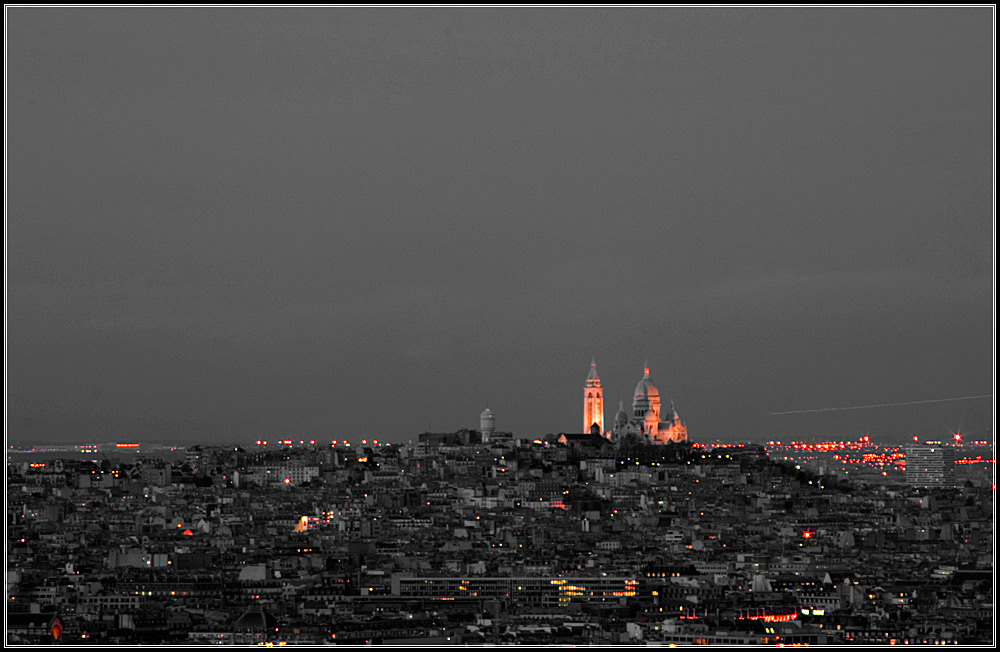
{"points": [[648, 424]]}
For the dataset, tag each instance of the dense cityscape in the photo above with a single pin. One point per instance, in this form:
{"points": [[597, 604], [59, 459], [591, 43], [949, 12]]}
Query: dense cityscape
{"points": [[479, 537], [322, 325]]}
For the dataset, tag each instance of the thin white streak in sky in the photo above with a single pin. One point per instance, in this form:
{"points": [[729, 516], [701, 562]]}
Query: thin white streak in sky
{"points": [[877, 405]]}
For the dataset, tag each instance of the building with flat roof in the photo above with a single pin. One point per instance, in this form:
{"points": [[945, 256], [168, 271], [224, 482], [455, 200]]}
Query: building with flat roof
{"points": [[930, 465]]}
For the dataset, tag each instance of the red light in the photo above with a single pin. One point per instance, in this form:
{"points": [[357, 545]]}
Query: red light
{"points": [[188, 533], [806, 534], [287, 481]]}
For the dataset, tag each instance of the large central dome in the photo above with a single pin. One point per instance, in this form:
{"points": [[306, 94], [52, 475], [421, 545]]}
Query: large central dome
{"points": [[646, 389]]}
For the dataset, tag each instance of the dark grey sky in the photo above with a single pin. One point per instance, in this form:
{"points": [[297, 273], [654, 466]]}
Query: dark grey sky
{"points": [[234, 223]]}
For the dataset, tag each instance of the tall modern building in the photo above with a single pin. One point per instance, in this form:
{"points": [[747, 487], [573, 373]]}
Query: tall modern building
{"points": [[593, 402], [930, 465]]}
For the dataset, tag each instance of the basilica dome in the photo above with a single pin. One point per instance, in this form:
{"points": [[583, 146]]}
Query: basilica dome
{"points": [[646, 389]]}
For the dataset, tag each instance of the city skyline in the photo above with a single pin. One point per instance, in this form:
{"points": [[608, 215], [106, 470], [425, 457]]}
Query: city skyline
{"points": [[226, 224], [477, 538]]}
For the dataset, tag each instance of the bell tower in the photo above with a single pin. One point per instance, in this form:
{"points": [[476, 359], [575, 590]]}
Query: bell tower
{"points": [[593, 401]]}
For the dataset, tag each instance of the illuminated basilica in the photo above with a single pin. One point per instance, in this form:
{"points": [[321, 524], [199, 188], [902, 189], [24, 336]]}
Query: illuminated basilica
{"points": [[648, 424]]}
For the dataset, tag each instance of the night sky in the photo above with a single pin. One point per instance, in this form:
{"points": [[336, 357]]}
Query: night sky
{"points": [[229, 224]]}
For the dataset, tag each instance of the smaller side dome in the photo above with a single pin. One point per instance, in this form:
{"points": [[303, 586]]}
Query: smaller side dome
{"points": [[621, 418]]}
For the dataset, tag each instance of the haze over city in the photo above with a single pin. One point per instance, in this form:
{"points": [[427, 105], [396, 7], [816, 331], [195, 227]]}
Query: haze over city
{"points": [[226, 224]]}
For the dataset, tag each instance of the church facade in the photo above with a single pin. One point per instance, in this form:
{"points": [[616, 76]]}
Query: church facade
{"points": [[649, 423]]}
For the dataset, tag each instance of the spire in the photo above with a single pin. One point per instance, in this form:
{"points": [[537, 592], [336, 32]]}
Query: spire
{"points": [[593, 371], [645, 368]]}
